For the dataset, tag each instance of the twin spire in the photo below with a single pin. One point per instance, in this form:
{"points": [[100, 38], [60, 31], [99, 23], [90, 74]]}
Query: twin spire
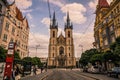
{"points": [[54, 23]]}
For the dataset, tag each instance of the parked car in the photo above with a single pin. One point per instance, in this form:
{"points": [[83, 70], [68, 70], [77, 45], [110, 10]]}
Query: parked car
{"points": [[114, 72], [93, 69]]}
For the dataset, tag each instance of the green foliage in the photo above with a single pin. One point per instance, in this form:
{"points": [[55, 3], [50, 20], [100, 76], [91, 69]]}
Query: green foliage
{"points": [[86, 56], [29, 59], [2, 54], [34, 60], [96, 57]]}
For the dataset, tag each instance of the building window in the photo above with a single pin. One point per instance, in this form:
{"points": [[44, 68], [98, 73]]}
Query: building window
{"points": [[7, 26], [69, 41], [14, 21], [13, 30], [5, 37], [69, 48], [112, 28], [69, 54], [117, 9], [0, 8], [105, 42], [53, 33], [113, 39], [53, 54], [69, 62], [68, 33]]}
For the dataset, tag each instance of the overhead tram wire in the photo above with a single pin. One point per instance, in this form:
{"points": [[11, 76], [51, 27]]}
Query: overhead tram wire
{"points": [[49, 10]]}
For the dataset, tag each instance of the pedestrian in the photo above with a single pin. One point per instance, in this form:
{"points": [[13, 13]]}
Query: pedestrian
{"points": [[34, 70], [41, 69]]}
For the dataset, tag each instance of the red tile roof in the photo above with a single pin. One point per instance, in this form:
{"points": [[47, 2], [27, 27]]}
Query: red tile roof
{"points": [[103, 4], [19, 15]]}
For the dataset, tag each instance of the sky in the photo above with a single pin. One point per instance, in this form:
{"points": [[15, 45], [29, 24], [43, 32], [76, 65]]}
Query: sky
{"points": [[82, 15]]}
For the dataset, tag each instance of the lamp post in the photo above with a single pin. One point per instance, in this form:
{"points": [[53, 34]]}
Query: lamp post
{"points": [[82, 52], [81, 47], [36, 49]]}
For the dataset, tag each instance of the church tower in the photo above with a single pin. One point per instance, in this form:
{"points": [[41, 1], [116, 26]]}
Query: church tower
{"points": [[52, 41], [61, 48], [69, 42]]}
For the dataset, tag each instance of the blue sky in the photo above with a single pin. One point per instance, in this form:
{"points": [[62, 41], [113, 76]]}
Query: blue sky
{"points": [[81, 14]]}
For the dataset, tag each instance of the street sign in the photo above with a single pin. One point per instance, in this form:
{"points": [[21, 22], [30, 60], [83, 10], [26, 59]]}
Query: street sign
{"points": [[10, 51], [9, 61], [11, 45]]}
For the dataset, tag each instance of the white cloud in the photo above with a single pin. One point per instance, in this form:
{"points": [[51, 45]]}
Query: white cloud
{"points": [[85, 40], [46, 21], [23, 4], [29, 16], [76, 11], [58, 3]]}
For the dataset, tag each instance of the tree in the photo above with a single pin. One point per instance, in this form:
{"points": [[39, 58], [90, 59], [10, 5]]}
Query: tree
{"points": [[96, 58], [85, 57], [2, 54], [27, 59], [36, 61]]}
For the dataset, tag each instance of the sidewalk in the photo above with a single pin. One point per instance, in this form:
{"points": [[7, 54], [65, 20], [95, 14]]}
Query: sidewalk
{"points": [[98, 76], [32, 74]]}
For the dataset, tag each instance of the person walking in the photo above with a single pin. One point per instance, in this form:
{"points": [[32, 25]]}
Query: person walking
{"points": [[34, 70]]}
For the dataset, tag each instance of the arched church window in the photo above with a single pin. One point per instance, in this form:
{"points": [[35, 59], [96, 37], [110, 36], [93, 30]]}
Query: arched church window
{"points": [[53, 33], [61, 50], [68, 33], [53, 54], [69, 54]]}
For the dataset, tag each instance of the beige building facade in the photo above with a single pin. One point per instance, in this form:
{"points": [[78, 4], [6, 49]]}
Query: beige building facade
{"points": [[107, 24], [14, 28], [61, 49]]}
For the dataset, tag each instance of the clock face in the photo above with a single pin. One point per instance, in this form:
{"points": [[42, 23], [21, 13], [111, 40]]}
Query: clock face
{"points": [[10, 51]]}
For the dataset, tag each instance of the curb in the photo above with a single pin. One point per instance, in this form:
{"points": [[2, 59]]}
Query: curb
{"points": [[90, 77]]}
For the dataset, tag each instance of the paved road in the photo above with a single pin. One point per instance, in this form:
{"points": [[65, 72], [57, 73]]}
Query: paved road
{"points": [[63, 74], [66, 75]]}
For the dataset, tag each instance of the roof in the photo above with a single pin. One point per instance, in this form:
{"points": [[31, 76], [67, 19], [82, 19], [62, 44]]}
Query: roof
{"points": [[19, 15], [103, 4]]}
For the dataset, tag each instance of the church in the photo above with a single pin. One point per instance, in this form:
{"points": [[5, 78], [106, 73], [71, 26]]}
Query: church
{"points": [[61, 48]]}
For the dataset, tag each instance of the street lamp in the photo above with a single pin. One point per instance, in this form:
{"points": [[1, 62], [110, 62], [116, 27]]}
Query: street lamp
{"points": [[82, 52], [37, 48], [81, 47]]}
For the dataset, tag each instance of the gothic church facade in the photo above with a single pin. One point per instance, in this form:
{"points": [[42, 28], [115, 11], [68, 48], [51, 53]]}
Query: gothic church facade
{"points": [[61, 49]]}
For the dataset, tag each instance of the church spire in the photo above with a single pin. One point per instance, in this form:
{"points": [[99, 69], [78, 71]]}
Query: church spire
{"points": [[54, 23], [68, 24]]}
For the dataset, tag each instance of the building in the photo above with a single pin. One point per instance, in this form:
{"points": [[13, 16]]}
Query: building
{"points": [[14, 28], [107, 24], [61, 49], [43, 60]]}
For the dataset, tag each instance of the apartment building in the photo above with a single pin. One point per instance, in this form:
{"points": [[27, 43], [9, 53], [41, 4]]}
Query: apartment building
{"points": [[107, 24], [14, 28]]}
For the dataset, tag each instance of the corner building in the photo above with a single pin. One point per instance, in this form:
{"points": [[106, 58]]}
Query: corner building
{"points": [[61, 49], [14, 28], [107, 24]]}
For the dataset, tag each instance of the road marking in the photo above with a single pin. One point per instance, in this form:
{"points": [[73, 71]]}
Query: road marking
{"points": [[46, 75], [85, 76]]}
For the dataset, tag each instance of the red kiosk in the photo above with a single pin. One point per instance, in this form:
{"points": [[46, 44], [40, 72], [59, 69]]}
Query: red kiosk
{"points": [[9, 61]]}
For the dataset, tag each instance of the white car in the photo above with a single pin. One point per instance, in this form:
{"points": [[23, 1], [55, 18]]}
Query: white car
{"points": [[93, 69]]}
